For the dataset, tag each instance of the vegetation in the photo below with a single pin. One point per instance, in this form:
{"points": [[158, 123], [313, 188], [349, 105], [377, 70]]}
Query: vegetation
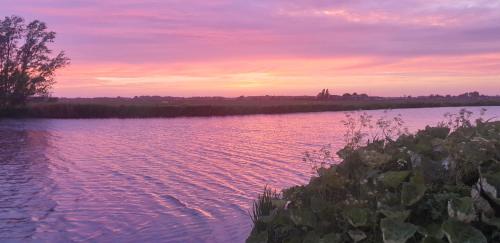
{"points": [[143, 107], [439, 185], [324, 94], [26, 65]]}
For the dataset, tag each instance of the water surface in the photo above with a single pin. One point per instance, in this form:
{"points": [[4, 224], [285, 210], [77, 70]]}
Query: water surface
{"points": [[156, 180]]}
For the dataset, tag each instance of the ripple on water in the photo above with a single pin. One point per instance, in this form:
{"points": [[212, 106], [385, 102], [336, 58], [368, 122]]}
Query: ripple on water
{"points": [[155, 180]]}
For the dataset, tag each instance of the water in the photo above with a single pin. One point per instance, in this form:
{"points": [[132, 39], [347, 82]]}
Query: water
{"points": [[156, 180]]}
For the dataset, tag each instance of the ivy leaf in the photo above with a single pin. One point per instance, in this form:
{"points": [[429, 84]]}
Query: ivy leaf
{"points": [[394, 178], [491, 221], [278, 203], [431, 230], [430, 239], [331, 238], [357, 235], [490, 183], [318, 204], [258, 238], [459, 232], [462, 209], [303, 217], [394, 231], [311, 237], [395, 213], [356, 216], [413, 191]]}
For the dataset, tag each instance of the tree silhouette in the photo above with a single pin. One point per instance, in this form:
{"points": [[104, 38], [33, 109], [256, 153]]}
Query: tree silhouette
{"points": [[324, 94], [27, 66]]}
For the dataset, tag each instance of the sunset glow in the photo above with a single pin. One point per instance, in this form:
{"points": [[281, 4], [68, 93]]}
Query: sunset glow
{"points": [[275, 47]]}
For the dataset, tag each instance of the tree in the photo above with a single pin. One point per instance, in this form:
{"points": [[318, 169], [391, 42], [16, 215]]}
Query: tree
{"points": [[27, 66], [474, 94], [324, 94]]}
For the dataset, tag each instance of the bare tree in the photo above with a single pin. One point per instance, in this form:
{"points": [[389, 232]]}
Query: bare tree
{"points": [[27, 66]]}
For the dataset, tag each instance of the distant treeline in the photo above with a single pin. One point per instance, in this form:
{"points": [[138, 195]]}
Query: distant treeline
{"points": [[127, 108]]}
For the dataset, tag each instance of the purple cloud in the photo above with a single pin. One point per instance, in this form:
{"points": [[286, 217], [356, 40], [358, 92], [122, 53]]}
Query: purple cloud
{"points": [[136, 30], [157, 31]]}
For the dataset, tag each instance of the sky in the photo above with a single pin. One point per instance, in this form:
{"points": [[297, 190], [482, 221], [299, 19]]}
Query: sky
{"points": [[271, 47]]}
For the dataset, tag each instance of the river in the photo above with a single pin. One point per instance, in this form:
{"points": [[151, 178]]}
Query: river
{"points": [[158, 180]]}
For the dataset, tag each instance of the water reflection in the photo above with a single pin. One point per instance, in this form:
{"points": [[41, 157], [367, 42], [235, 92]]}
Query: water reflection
{"points": [[156, 180], [25, 185]]}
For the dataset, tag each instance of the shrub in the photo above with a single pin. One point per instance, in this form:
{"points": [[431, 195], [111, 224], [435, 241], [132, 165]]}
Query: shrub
{"points": [[441, 184]]}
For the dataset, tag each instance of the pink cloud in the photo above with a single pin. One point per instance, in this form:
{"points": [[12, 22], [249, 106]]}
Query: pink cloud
{"points": [[142, 41]]}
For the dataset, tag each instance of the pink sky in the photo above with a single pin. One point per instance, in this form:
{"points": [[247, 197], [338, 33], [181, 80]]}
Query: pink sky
{"points": [[275, 47]]}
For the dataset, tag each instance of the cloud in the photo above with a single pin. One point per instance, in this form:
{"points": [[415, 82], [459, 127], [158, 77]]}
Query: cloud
{"points": [[166, 34], [230, 29]]}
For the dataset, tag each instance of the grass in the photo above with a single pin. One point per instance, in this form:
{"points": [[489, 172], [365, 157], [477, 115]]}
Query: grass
{"points": [[263, 205], [187, 107]]}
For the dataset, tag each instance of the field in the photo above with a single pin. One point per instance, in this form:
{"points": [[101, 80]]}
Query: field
{"points": [[144, 107]]}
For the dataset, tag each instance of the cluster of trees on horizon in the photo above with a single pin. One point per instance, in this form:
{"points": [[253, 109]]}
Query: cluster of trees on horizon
{"points": [[27, 66], [323, 95]]}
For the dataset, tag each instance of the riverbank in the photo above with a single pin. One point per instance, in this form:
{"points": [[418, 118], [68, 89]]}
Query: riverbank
{"points": [[116, 108], [437, 185]]}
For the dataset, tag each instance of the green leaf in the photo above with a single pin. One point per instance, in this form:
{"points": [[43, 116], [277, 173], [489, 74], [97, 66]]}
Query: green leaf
{"points": [[431, 230], [293, 239], [303, 217], [480, 203], [430, 239], [311, 237], [318, 204], [331, 238], [356, 216], [490, 183], [493, 221], [394, 231], [410, 194], [278, 203], [413, 191], [266, 219], [258, 238], [396, 213], [389, 200], [394, 178], [462, 209], [459, 232], [357, 235], [374, 158], [438, 132]]}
